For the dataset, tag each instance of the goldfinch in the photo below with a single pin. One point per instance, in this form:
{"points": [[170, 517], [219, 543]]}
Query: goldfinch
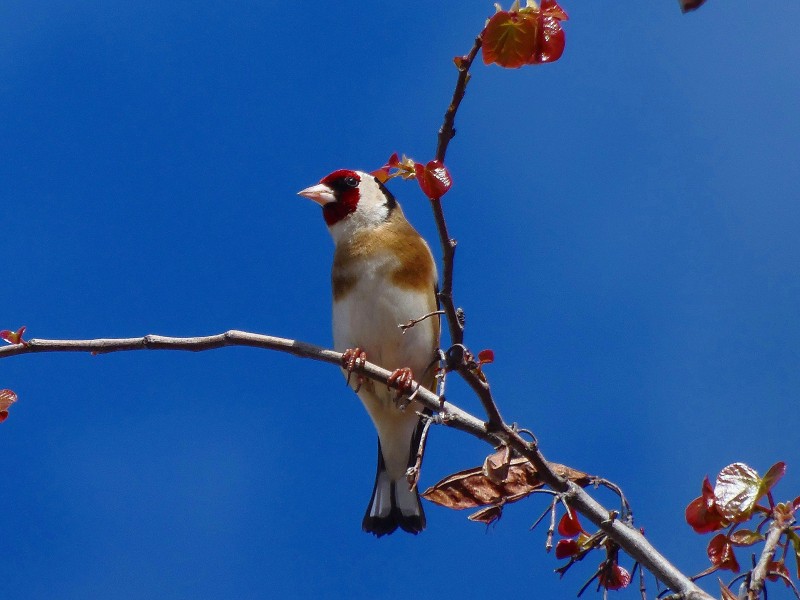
{"points": [[383, 275]]}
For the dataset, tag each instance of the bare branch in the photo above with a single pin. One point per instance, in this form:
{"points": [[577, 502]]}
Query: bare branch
{"points": [[455, 319], [452, 415], [759, 573], [447, 131], [629, 539]]}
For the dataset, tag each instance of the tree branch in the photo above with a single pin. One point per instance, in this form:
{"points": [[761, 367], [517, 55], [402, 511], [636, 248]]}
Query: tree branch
{"points": [[628, 538], [759, 573], [446, 133], [452, 416]]}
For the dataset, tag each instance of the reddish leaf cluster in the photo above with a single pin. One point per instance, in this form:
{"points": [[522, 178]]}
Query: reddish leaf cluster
{"points": [[7, 398], [574, 536], [13, 337], [703, 514], [485, 357], [524, 36], [720, 553], [433, 178], [577, 543], [613, 576], [732, 501], [689, 5], [384, 174]]}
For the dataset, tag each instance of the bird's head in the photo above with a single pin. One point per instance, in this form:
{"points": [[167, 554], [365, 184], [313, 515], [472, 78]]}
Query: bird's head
{"points": [[351, 200]]}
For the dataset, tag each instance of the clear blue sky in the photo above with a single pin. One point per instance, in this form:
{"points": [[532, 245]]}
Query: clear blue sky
{"points": [[628, 245]]}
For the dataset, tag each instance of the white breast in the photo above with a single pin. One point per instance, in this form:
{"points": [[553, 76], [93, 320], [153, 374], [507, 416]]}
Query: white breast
{"points": [[369, 315]]}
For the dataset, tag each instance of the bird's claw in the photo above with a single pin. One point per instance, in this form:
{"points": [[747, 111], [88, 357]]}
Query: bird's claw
{"points": [[353, 358], [402, 380]]}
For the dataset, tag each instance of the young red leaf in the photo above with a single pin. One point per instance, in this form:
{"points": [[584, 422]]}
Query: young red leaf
{"points": [[772, 477], [7, 398], [777, 568], [383, 173], [13, 337], [614, 577], [689, 5], [566, 548], [569, 526], [527, 36], [702, 514], [550, 8], [486, 356], [745, 537], [433, 178], [720, 552], [509, 39], [737, 491], [795, 539], [783, 511], [550, 41]]}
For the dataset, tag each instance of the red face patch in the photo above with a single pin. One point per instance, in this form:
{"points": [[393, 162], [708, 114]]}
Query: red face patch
{"points": [[344, 184]]}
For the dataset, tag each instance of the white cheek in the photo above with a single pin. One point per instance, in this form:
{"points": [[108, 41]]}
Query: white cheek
{"points": [[366, 216]]}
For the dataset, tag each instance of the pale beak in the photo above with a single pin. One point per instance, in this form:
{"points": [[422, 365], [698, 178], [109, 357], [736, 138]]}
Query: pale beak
{"points": [[320, 193]]}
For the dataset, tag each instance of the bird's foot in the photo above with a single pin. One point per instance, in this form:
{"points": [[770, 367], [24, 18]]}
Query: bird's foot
{"points": [[403, 381], [353, 358]]}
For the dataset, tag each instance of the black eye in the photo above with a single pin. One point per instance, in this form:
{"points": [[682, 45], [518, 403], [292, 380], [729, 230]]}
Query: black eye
{"points": [[351, 181]]}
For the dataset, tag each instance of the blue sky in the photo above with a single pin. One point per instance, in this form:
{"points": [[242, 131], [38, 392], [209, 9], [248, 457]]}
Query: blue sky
{"points": [[628, 245]]}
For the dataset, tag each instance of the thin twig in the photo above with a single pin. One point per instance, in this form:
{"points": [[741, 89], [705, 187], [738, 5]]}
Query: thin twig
{"points": [[631, 540], [413, 472], [546, 510], [455, 316], [481, 388], [642, 583], [552, 529], [627, 511], [412, 322], [446, 133]]}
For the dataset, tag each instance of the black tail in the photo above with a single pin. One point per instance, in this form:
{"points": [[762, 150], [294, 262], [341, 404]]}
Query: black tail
{"points": [[393, 504]]}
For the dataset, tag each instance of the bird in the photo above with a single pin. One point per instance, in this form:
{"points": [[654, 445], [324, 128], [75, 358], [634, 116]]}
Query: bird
{"points": [[383, 275]]}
